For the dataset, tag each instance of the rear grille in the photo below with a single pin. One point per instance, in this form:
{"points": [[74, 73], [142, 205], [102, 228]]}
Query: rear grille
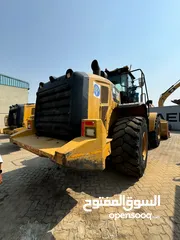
{"points": [[15, 117], [53, 111], [60, 107]]}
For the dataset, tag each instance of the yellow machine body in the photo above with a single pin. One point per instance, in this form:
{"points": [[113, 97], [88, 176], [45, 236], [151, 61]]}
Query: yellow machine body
{"points": [[85, 152]]}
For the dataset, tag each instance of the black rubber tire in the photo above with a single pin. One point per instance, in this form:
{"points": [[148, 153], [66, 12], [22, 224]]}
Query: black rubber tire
{"points": [[126, 146], [154, 142]]}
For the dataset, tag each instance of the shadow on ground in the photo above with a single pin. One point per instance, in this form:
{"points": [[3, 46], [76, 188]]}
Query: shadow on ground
{"points": [[35, 196], [7, 148], [3, 136]]}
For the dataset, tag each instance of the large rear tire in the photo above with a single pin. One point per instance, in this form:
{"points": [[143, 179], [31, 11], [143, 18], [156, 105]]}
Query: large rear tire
{"points": [[129, 147], [155, 136]]}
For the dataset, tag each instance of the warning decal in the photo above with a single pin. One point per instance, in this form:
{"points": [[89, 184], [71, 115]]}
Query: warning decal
{"points": [[97, 90]]}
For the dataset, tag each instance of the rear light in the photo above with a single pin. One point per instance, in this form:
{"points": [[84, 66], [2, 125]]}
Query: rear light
{"points": [[88, 128], [90, 132], [89, 123]]}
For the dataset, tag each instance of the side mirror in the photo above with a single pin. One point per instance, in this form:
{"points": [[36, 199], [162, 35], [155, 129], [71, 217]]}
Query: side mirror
{"points": [[141, 81]]}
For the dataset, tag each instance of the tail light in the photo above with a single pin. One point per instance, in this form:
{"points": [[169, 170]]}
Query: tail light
{"points": [[90, 132], [88, 128]]}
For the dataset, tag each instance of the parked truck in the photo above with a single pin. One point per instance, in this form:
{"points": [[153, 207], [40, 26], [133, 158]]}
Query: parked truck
{"points": [[81, 119]]}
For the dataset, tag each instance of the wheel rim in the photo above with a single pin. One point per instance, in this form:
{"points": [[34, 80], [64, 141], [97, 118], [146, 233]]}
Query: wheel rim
{"points": [[144, 146], [159, 132]]}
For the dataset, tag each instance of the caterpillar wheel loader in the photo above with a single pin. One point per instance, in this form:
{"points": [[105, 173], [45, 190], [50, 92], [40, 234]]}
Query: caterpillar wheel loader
{"points": [[81, 119], [17, 118]]}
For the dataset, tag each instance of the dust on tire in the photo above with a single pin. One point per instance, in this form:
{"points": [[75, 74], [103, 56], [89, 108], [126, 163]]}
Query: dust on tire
{"points": [[126, 146]]}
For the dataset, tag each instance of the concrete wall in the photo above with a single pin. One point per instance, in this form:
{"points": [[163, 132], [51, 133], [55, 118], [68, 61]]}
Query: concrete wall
{"points": [[171, 114], [9, 96]]}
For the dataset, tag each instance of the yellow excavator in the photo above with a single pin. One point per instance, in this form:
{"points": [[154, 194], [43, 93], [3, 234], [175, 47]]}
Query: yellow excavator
{"points": [[167, 93], [82, 119]]}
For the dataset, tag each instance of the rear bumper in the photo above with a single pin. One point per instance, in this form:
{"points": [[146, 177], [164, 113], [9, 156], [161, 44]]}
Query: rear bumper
{"points": [[7, 131], [12, 131], [79, 153]]}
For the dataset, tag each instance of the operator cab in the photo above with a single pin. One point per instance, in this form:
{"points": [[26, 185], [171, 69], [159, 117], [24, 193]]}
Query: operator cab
{"points": [[127, 84]]}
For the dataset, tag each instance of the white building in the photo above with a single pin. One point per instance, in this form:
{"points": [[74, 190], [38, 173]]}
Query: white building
{"points": [[12, 91], [169, 113]]}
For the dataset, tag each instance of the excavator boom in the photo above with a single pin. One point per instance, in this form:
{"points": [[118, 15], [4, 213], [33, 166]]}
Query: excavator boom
{"points": [[167, 93]]}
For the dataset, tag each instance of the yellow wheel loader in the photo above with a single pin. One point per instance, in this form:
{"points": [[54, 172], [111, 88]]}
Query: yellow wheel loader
{"points": [[81, 119], [18, 117]]}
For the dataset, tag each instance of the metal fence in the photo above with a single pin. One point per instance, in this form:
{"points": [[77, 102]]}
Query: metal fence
{"points": [[13, 82]]}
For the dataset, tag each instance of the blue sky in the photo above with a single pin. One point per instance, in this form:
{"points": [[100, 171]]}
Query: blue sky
{"points": [[42, 38]]}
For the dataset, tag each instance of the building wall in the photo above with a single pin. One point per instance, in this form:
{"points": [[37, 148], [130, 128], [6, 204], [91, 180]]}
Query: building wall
{"points": [[171, 114], [10, 96]]}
